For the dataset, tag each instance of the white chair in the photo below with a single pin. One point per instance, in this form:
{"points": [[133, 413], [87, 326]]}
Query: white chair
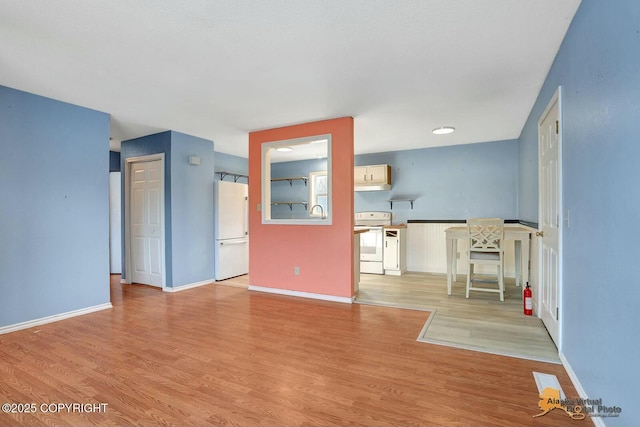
{"points": [[486, 236]]}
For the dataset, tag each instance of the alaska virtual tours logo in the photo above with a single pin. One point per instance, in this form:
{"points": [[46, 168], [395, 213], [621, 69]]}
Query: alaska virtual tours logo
{"points": [[577, 409]]}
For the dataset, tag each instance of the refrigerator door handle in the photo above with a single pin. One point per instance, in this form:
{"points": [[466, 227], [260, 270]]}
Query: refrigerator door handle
{"points": [[242, 242], [246, 216]]}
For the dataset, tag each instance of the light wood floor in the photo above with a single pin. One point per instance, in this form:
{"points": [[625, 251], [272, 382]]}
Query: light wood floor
{"points": [[222, 355], [481, 323]]}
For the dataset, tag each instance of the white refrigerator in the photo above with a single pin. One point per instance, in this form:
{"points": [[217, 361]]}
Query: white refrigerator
{"points": [[231, 229]]}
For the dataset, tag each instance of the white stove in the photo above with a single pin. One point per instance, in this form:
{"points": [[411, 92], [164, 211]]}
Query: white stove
{"points": [[371, 254]]}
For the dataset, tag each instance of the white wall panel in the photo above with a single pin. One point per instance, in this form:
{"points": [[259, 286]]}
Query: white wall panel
{"points": [[426, 250]]}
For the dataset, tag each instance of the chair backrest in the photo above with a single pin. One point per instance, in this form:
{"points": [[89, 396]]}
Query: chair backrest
{"points": [[485, 234]]}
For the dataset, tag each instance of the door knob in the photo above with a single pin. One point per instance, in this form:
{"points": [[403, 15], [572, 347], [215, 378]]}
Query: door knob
{"points": [[540, 233]]}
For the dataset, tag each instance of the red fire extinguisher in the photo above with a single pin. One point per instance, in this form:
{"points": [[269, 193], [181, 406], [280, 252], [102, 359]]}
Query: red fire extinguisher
{"points": [[528, 309]]}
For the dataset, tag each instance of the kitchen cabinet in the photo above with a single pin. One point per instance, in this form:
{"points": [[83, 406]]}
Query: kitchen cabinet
{"points": [[394, 251], [372, 177]]}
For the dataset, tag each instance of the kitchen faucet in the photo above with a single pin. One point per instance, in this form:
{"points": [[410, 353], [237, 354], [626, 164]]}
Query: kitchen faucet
{"points": [[321, 210]]}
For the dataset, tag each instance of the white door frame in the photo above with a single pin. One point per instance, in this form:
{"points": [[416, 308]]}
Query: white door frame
{"points": [[127, 214], [115, 222], [556, 98]]}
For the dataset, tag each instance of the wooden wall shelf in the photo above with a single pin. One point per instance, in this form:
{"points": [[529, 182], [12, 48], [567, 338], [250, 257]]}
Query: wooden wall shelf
{"points": [[290, 179], [290, 204]]}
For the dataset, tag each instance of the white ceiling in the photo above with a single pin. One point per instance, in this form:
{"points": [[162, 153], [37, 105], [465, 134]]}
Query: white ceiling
{"points": [[218, 69]]}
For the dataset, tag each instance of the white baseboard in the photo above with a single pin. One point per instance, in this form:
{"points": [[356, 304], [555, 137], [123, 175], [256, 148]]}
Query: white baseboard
{"points": [[187, 286], [344, 300], [54, 318], [394, 272], [597, 421]]}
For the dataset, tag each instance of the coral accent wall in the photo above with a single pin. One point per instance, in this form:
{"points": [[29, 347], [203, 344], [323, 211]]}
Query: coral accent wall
{"points": [[324, 253]]}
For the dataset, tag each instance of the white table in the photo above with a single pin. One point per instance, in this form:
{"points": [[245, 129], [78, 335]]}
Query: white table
{"points": [[519, 234]]}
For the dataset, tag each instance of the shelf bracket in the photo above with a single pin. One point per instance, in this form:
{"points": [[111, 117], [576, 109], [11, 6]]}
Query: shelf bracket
{"points": [[236, 176], [290, 204], [302, 178], [400, 200]]}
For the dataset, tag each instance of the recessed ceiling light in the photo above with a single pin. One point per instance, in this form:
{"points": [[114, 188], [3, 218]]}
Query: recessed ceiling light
{"points": [[443, 130], [284, 149]]}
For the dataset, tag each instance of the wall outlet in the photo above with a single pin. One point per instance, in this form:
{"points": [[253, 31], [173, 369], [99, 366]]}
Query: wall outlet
{"points": [[296, 270]]}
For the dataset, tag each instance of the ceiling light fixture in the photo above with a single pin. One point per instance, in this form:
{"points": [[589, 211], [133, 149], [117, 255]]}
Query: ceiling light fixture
{"points": [[284, 149], [443, 130]]}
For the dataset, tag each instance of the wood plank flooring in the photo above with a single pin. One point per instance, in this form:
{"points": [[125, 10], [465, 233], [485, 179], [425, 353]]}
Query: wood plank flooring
{"points": [[221, 355], [481, 323]]}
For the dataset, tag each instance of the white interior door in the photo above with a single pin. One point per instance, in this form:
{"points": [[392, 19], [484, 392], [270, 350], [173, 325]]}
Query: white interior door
{"points": [[146, 222], [550, 167]]}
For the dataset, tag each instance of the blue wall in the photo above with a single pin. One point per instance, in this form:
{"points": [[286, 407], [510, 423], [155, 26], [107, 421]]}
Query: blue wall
{"points": [[598, 67], [188, 203], [54, 213], [191, 209], [114, 161], [233, 164], [456, 182]]}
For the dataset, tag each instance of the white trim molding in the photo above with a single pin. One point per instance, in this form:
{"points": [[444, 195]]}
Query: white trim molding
{"points": [[344, 300], [187, 286], [597, 421], [54, 318]]}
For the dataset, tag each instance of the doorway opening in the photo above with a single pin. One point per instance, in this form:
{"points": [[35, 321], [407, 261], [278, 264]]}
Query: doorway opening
{"points": [[144, 221]]}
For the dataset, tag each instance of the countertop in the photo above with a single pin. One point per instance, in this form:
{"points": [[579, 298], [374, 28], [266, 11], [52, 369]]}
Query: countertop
{"points": [[360, 231], [395, 227]]}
